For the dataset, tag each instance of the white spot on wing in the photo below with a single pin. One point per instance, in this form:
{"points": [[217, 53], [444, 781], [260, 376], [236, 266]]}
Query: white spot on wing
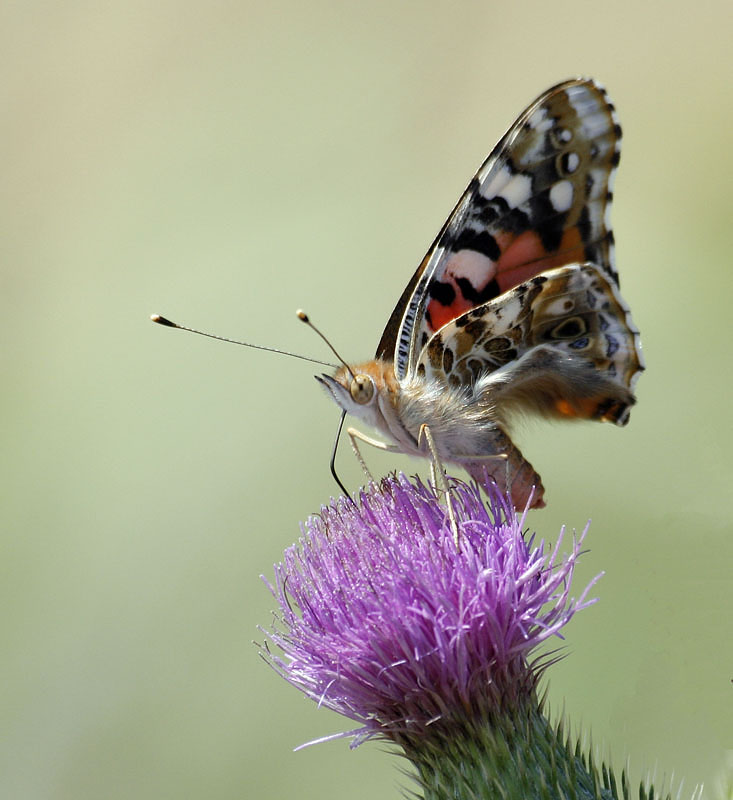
{"points": [[559, 307], [539, 121], [561, 196], [508, 311], [564, 135], [518, 190], [607, 217], [477, 268], [573, 162], [496, 184]]}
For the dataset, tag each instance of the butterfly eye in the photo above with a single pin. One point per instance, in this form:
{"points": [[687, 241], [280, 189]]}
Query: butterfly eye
{"points": [[362, 389]]}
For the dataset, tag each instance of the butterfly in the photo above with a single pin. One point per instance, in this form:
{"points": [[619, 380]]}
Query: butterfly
{"points": [[515, 307]]}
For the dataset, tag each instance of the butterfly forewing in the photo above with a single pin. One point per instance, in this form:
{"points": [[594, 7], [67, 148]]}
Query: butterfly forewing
{"points": [[541, 200]]}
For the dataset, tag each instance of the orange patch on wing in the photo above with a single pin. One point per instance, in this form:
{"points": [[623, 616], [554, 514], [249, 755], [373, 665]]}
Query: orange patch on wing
{"points": [[468, 265], [581, 408], [441, 315], [522, 257], [525, 256]]}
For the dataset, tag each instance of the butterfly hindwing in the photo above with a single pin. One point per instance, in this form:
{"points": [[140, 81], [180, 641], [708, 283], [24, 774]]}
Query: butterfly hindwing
{"points": [[541, 200], [562, 343]]}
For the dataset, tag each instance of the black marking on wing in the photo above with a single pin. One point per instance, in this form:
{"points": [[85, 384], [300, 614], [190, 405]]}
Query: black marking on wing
{"points": [[479, 241]]}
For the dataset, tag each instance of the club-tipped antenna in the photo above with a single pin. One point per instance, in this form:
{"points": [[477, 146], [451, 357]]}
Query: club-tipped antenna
{"points": [[303, 317], [164, 321]]}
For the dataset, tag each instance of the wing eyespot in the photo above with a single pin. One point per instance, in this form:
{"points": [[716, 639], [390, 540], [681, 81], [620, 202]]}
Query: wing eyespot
{"points": [[567, 163], [571, 328], [560, 137]]}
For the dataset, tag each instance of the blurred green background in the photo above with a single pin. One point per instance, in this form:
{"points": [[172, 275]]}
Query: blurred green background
{"points": [[224, 164]]}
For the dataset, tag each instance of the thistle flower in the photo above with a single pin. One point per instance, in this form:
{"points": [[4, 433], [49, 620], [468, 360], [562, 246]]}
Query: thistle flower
{"points": [[430, 645]]}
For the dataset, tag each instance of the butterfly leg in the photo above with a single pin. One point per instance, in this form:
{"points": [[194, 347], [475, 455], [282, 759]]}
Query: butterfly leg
{"points": [[439, 480], [355, 435], [514, 476]]}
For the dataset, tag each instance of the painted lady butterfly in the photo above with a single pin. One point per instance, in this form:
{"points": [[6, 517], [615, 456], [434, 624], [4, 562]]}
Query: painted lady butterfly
{"points": [[516, 305]]}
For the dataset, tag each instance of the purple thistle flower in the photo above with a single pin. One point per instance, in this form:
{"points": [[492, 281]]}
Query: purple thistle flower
{"points": [[384, 620]]}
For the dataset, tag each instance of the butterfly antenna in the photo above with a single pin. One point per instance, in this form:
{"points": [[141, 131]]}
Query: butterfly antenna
{"points": [[163, 321], [303, 317]]}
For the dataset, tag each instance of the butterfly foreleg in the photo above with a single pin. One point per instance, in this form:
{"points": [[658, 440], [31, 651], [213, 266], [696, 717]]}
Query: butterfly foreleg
{"points": [[437, 473], [355, 435]]}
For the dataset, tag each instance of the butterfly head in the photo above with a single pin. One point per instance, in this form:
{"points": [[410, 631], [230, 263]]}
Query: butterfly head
{"points": [[365, 390]]}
